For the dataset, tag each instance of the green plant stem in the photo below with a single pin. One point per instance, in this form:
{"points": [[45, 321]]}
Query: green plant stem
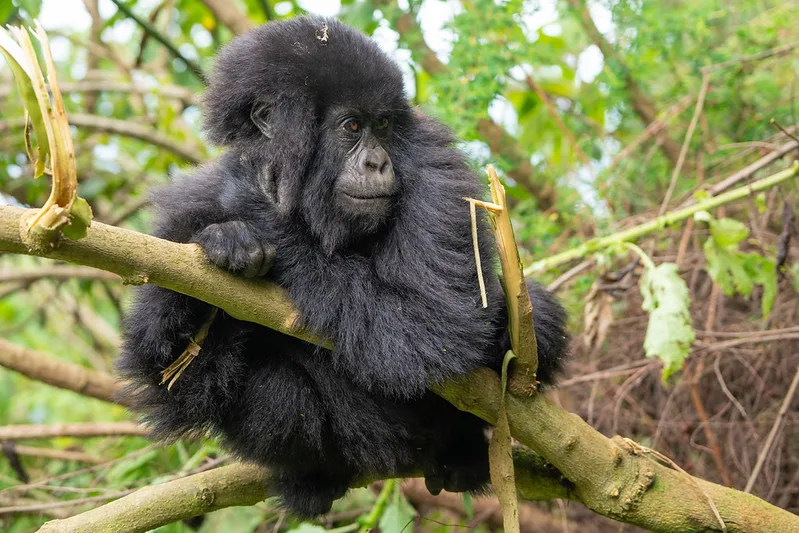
{"points": [[631, 234], [344, 529], [269, 13], [370, 521], [645, 259]]}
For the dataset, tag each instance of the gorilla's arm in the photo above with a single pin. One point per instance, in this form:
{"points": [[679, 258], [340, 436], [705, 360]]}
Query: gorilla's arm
{"points": [[161, 324], [387, 338], [217, 207]]}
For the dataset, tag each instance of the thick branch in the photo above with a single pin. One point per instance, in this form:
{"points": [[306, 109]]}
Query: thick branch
{"points": [[153, 506], [610, 476], [236, 485], [183, 268]]}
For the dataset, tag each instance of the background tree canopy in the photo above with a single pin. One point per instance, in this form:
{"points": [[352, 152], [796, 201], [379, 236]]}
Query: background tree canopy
{"points": [[600, 116]]}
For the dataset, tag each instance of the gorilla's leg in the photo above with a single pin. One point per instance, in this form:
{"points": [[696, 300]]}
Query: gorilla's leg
{"points": [[281, 420], [460, 460], [310, 494], [159, 328]]}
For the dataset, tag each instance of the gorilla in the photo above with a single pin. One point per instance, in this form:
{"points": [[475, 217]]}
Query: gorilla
{"points": [[334, 187]]}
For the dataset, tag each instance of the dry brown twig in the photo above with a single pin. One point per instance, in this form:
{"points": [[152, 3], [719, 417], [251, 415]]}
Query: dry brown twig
{"points": [[57, 272], [60, 455], [775, 428], [79, 430], [700, 102]]}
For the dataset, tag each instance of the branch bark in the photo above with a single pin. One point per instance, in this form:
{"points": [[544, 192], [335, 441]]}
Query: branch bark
{"points": [[79, 429], [69, 376], [611, 476], [61, 272]]}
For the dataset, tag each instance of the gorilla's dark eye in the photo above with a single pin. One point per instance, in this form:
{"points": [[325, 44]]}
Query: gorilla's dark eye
{"points": [[382, 123], [352, 125]]}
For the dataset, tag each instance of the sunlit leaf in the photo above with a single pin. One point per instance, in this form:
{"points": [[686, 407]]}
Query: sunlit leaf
{"points": [[669, 333]]}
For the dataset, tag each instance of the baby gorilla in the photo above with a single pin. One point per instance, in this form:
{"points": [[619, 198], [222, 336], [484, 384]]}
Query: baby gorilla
{"points": [[335, 188]]}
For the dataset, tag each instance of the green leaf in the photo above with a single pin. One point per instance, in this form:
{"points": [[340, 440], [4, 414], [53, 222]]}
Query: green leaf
{"points": [[763, 272], [81, 219], [669, 334], [726, 268], [737, 272], [31, 7], [6, 8], [727, 231], [22, 71], [126, 471], [397, 517]]}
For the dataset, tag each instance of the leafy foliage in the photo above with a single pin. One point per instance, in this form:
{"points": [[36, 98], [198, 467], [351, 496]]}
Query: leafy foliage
{"points": [[735, 271]]}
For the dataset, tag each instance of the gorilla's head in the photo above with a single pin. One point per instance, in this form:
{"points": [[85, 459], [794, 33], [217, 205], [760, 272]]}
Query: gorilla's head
{"points": [[320, 113]]}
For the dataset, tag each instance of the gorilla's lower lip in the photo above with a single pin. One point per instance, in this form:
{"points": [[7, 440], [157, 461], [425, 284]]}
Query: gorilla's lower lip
{"points": [[366, 198]]}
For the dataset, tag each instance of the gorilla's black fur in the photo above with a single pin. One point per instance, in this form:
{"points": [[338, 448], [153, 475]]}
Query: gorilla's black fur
{"points": [[355, 201]]}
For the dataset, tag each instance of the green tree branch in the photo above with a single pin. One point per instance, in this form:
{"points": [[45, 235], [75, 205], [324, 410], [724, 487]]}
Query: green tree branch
{"points": [[661, 222], [611, 476]]}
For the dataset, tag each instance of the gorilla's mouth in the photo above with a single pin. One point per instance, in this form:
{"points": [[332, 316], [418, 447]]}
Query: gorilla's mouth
{"points": [[371, 204], [371, 197]]}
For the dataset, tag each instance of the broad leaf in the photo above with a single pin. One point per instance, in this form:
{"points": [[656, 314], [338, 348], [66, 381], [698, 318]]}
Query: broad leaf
{"points": [[669, 334]]}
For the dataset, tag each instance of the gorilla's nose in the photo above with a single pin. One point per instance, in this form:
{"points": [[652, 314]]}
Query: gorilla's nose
{"points": [[375, 164]]}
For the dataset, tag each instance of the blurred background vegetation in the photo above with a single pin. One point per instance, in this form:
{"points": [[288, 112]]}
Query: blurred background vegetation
{"points": [[600, 115]]}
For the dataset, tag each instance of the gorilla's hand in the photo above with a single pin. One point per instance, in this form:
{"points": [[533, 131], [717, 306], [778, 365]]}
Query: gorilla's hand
{"points": [[234, 246]]}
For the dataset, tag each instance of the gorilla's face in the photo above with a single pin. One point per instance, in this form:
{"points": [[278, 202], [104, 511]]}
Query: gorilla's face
{"points": [[352, 186], [366, 185]]}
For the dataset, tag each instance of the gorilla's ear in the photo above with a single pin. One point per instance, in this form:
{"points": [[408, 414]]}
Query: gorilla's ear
{"points": [[291, 126], [260, 117]]}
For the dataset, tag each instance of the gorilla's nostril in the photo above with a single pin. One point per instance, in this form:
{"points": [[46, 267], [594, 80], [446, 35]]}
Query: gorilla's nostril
{"points": [[374, 160]]}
